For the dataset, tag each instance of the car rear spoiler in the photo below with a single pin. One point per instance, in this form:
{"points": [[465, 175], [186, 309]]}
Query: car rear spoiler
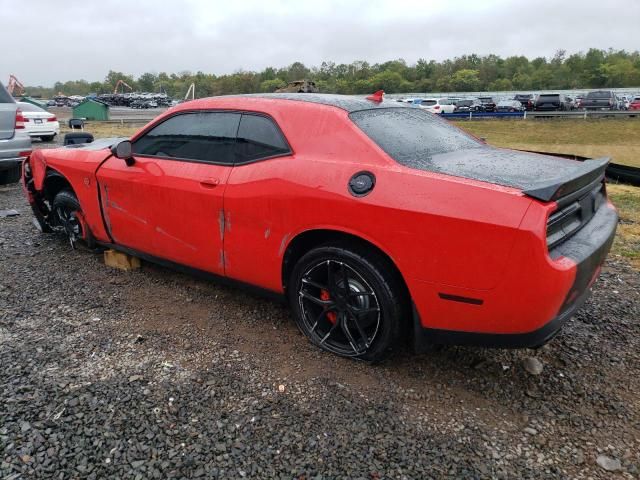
{"points": [[588, 171]]}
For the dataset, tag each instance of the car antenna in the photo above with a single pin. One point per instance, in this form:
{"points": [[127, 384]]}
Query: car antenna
{"points": [[377, 96]]}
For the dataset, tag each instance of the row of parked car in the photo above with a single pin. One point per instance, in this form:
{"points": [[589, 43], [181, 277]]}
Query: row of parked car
{"points": [[596, 100]]}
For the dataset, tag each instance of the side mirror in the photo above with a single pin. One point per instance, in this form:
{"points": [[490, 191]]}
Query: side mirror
{"points": [[124, 151]]}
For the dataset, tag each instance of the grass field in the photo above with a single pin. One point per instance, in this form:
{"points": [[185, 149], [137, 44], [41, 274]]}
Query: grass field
{"points": [[615, 138], [105, 130], [627, 201]]}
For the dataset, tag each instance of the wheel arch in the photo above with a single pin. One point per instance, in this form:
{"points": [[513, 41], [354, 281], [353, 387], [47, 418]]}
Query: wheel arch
{"points": [[53, 182], [308, 239]]}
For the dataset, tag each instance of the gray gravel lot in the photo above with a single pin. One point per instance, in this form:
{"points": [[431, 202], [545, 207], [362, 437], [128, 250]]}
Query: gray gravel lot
{"points": [[154, 374]]}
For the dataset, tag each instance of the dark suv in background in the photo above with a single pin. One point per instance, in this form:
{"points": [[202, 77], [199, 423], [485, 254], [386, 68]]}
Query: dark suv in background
{"points": [[466, 106], [552, 101], [526, 99], [15, 144], [600, 100], [488, 104]]}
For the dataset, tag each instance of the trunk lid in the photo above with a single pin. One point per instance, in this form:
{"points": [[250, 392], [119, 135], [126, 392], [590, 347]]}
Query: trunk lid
{"points": [[541, 176]]}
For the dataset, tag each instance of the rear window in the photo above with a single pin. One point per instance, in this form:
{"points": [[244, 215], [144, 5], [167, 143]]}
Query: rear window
{"points": [[428, 103], [550, 96], [412, 136], [599, 95], [28, 107], [5, 97], [464, 103]]}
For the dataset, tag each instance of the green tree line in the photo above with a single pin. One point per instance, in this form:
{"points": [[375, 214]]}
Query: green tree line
{"points": [[594, 69]]}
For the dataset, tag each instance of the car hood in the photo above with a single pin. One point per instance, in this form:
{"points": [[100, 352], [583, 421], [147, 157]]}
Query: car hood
{"points": [[98, 144], [541, 176]]}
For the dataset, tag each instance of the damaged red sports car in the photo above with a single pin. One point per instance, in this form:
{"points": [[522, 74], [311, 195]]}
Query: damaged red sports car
{"points": [[380, 223]]}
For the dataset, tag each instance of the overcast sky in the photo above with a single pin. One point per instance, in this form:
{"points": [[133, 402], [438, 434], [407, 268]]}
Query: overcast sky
{"points": [[44, 41]]}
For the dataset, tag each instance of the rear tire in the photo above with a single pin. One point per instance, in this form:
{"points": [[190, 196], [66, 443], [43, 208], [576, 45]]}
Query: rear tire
{"points": [[361, 321]]}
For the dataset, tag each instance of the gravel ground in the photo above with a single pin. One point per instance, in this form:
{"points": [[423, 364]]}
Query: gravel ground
{"points": [[154, 374]]}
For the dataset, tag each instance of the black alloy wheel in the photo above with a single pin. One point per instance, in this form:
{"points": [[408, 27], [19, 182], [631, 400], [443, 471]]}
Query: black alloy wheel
{"points": [[347, 303], [63, 216]]}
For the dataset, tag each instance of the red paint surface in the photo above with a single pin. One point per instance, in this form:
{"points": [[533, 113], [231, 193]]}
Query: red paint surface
{"points": [[445, 234]]}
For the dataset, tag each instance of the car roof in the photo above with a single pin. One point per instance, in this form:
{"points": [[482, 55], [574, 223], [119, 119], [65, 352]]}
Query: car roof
{"points": [[349, 103]]}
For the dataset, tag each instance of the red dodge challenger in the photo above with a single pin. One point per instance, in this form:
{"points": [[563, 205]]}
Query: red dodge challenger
{"points": [[378, 222]]}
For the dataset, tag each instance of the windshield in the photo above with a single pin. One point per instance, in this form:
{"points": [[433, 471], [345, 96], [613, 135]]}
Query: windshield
{"points": [[412, 136]]}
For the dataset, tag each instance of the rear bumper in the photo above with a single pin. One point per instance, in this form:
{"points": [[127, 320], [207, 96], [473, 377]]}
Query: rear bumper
{"points": [[10, 150], [588, 249]]}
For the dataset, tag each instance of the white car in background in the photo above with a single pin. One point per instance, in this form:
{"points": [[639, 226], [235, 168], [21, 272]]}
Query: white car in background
{"points": [[435, 105], [38, 122]]}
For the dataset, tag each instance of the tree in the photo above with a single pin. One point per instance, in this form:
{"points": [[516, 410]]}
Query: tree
{"points": [[147, 82], [465, 81], [594, 69], [501, 85]]}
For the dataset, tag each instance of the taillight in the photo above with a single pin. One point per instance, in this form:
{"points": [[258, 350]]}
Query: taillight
{"points": [[52, 119], [26, 153], [436, 107], [20, 120]]}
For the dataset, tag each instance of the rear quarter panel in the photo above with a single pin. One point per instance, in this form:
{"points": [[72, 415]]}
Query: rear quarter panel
{"points": [[436, 228]]}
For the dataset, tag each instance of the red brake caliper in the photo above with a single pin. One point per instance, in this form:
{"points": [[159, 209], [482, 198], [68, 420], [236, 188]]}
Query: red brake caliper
{"points": [[324, 295]]}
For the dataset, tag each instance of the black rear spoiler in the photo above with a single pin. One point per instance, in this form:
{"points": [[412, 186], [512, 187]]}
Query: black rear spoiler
{"points": [[588, 172]]}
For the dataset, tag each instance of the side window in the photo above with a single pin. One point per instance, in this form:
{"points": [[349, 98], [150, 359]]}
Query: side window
{"points": [[259, 137], [201, 136]]}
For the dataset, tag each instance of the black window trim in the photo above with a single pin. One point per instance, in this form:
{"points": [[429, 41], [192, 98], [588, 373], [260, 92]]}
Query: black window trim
{"points": [[141, 134]]}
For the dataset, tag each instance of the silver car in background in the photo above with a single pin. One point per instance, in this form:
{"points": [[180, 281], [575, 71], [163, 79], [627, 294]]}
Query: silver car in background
{"points": [[15, 143]]}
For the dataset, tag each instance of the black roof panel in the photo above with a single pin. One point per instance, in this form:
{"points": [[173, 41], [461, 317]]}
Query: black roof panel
{"points": [[350, 103]]}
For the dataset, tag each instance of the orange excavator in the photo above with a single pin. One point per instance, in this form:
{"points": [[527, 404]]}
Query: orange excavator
{"points": [[15, 86], [124, 84]]}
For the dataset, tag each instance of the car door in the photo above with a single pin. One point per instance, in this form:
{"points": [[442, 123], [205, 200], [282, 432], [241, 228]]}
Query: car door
{"points": [[169, 202], [257, 202]]}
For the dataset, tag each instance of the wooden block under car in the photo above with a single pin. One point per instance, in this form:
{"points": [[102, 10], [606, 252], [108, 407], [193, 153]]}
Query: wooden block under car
{"points": [[121, 261]]}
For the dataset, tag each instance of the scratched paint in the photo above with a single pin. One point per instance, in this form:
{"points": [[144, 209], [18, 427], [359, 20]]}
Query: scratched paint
{"points": [[115, 206], [221, 221], [176, 239], [267, 233], [227, 222], [105, 203], [283, 244]]}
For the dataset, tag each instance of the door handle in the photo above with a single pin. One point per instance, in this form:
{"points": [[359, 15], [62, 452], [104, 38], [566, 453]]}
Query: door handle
{"points": [[209, 182]]}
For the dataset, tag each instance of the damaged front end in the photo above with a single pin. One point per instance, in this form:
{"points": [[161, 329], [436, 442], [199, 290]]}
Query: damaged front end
{"points": [[47, 219], [39, 204]]}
